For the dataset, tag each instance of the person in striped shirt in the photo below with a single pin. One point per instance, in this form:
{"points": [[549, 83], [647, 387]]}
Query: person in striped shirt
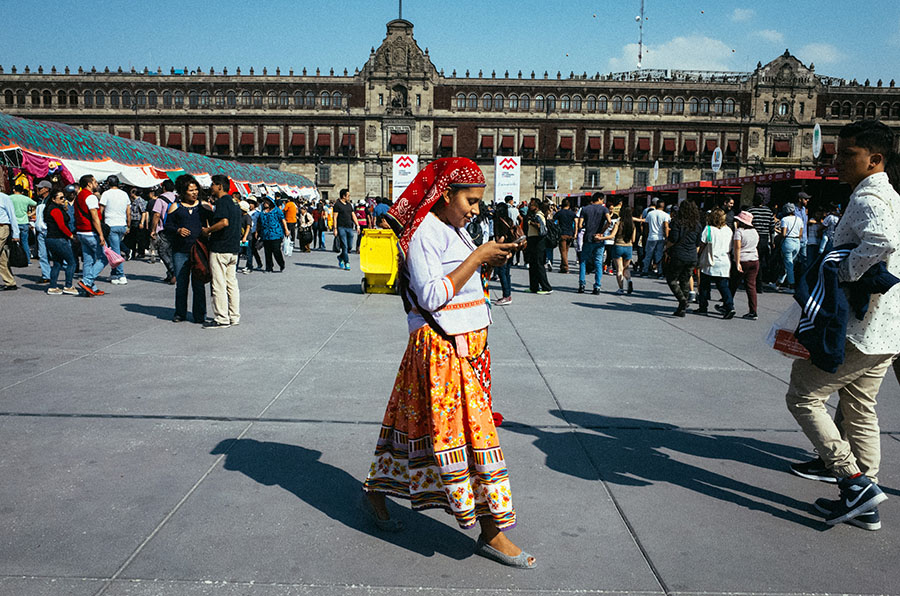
{"points": [[764, 222]]}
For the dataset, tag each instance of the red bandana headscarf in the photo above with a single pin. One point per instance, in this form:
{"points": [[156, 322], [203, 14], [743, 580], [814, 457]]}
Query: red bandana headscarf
{"points": [[424, 191]]}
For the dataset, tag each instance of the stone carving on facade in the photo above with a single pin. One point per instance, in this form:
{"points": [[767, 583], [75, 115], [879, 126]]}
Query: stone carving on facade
{"points": [[754, 139], [371, 133], [425, 133]]}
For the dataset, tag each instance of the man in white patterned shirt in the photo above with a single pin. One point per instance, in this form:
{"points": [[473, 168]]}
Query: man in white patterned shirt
{"points": [[850, 450]]}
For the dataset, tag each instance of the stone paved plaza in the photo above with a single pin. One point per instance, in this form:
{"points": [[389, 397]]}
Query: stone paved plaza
{"points": [[648, 454]]}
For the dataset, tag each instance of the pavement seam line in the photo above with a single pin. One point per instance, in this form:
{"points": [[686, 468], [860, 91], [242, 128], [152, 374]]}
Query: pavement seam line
{"points": [[634, 537], [76, 359], [108, 583]]}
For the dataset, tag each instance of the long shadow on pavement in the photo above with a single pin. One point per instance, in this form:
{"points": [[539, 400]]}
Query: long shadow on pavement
{"points": [[640, 307], [160, 312], [632, 452], [336, 493], [344, 288]]}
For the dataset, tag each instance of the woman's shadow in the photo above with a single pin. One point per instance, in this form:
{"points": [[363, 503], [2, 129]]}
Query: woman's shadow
{"points": [[337, 494]]}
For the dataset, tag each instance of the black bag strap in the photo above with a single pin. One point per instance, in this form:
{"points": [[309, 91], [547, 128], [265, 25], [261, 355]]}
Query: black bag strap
{"points": [[410, 302]]}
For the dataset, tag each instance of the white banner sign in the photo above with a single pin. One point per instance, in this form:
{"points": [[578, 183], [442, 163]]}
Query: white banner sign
{"points": [[405, 169], [817, 141], [507, 177]]}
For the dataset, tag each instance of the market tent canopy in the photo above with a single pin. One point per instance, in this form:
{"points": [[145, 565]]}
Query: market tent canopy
{"points": [[104, 153]]}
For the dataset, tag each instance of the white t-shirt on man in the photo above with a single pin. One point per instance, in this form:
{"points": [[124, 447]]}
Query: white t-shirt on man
{"points": [[655, 220], [116, 204]]}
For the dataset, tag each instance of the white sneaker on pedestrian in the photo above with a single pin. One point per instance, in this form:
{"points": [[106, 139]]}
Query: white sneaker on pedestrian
{"points": [[119, 281]]}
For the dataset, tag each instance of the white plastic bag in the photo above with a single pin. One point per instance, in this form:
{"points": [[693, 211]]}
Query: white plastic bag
{"points": [[287, 247], [781, 336]]}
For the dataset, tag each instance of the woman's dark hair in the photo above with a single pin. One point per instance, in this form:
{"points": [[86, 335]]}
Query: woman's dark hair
{"points": [[626, 224], [688, 215], [182, 183]]}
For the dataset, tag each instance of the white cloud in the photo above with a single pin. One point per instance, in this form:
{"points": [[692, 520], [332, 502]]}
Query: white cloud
{"points": [[770, 35], [741, 15], [820, 53], [694, 52]]}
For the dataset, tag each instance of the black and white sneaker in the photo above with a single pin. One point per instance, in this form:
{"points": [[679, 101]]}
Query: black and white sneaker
{"points": [[858, 495], [814, 470], [870, 520], [215, 325]]}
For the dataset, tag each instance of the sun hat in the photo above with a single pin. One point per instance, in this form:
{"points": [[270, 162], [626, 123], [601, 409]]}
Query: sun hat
{"points": [[245, 206], [745, 217]]}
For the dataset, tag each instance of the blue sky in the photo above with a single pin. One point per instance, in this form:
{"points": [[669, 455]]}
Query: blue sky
{"points": [[575, 35]]}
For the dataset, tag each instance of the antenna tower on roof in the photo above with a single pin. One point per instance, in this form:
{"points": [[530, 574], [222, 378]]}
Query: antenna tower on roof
{"points": [[640, 37]]}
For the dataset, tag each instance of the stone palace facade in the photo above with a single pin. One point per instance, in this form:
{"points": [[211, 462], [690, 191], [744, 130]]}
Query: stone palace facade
{"points": [[573, 131]]}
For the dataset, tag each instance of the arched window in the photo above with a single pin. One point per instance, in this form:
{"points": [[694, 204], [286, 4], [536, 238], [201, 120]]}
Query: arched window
{"points": [[151, 99], [885, 110], [565, 103], [167, 99], [73, 98], [272, 99], [179, 99], [310, 99], [88, 99], [9, 99], [616, 104], [257, 99], [525, 102], [460, 101], [642, 105], [895, 111], [298, 99], [654, 105], [35, 97], [845, 109], [628, 105], [113, 99], [668, 105], [126, 99], [591, 103], [551, 103], [336, 99], [719, 106], [679, 105], [230, 99], [472, 102], [729, 106], [576, 103], [783, 109], [47, 98], [193, 98], [60, 98], [486, 102], [498, 102], [325, 99], [539, 103], [835, 109], [704, 106], [602, 104], [141, 98], [860, 110], [513, 102], [694, 105], [204, 99], [99, 99], [219, 99], [870, 110]]}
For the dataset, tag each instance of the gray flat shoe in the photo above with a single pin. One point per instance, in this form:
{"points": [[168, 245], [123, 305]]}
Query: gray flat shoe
{"points": [[487, 551], [385, 525]]}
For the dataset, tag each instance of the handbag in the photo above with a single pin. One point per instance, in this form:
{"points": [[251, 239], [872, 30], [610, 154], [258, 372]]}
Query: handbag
{"points": [[200, 271], [17, 256], [706, 257], [336, 246]]}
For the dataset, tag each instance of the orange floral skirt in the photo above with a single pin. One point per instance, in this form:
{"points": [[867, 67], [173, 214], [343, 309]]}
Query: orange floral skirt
{"points": [[438, 445]]}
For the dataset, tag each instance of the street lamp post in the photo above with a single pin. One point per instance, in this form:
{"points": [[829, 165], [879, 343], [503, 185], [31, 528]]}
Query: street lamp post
{"points": [[349, 146]]}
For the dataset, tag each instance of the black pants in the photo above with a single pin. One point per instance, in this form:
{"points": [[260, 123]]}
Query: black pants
{"points": [[764, 275], [535, 253], [273, 247], [678, 276]]}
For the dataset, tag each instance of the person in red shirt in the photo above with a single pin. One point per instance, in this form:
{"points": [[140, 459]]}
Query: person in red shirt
{"points": [[88, 213]]}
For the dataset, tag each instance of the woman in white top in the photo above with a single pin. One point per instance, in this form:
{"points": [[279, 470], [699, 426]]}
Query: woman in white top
{"points": [[438, 444], [791, 230], [715, 264]]}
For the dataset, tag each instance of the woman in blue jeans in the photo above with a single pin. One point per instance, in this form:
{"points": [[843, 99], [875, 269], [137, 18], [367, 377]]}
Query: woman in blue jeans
{"points": [[183, 224], [791, 230], [59, 243]]}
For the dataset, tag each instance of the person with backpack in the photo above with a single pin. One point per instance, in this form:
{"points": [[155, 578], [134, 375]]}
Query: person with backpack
{"points": [[185, 220], [159, 238], [551, 242]]}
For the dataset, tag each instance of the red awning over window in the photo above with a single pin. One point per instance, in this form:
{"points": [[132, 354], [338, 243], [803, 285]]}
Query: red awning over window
{"points": [[125, 134], [150, 137], [348, 140], [487, 142], [594, 143], [298, 139], [198, 138], [565, 143], [732, 147], [446, 141], [222, 139], [690, 146], [399, 138], [643, 145], [174, 139], [618, 144], [782, 146], [711, 145], [669, 145], [323, 139], [273, 139], [528, 142], [246, 138], [507, 142], [828, 148]]}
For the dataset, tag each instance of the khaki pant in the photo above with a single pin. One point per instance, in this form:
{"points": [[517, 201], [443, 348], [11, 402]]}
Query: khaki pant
{"points": [[226, 297], [5, 273], [856, 446]]}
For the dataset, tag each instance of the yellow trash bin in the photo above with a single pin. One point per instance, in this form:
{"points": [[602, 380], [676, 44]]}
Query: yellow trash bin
{"points": [[378, 254]]}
